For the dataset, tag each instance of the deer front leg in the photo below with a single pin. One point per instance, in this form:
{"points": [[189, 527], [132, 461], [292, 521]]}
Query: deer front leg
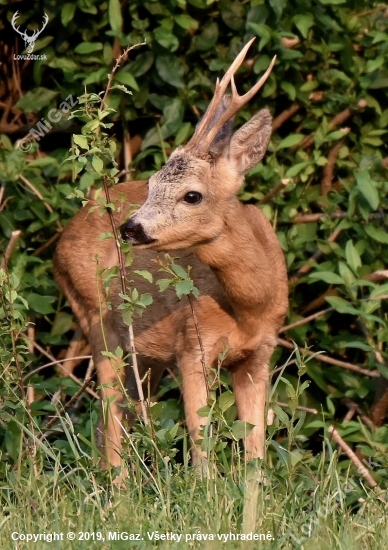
{"points": [[250, 389], [194, 398]]}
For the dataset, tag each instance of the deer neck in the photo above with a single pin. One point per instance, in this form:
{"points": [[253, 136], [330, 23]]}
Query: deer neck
{"points": [[239, 259]]}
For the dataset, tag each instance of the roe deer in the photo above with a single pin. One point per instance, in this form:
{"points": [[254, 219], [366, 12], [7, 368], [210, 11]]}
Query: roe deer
{"points": [[188, 207]]}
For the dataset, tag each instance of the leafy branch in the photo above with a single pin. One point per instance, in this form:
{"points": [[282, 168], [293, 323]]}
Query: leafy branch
{"points": [[95, 152]]}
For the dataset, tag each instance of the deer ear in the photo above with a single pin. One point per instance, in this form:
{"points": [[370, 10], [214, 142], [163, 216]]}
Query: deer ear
{"points": [[222, 139], [223, 136], [249, 144]]}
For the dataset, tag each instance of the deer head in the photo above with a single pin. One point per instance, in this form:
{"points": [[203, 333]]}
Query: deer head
{"points": [[29, 41], [189, 198]]}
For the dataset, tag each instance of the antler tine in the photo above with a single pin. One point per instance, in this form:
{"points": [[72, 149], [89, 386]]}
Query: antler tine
{"points": [[13, 23], [45, 21], [205, 132]]}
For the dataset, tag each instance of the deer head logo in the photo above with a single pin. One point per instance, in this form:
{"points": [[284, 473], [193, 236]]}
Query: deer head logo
{"points": [[29, 41]]}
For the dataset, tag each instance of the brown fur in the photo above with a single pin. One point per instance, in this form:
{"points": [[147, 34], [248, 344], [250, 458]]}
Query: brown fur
{"points": [[237, 265]]}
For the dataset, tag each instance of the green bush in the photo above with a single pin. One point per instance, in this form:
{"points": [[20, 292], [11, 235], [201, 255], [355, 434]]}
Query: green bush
{"points": [[323, 184]]}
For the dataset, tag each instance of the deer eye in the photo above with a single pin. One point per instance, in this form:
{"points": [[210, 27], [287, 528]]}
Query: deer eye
{"points": [[192, 197]]}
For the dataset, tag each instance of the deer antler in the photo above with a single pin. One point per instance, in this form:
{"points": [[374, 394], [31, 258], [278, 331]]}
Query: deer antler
{"points": [[45, 21], [206, 129], [37, 32], [24, 34], [13, 23]]}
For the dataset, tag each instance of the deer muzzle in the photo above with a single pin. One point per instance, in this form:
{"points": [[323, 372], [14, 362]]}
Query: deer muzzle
{"points": [[133, 232]]}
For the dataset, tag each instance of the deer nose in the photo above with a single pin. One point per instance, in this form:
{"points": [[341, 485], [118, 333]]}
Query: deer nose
{"points": [[133, 232]]}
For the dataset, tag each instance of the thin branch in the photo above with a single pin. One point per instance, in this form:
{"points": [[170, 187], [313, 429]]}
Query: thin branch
{"points": [[122, 272], [280, 369], [203, 363], [377, 276], [66, 372], [78, 346], [306, 320], [298, 408], [312, 218], [319, 302], [284, 116], [2, 190], [354, 406], [279, 187], [331, 361], [380, 405], [120, 257], [314, 258], [361, 469], [374, 10], [127, 151], [117, 65], [328, 169], [10, 246], [69, 404], [40, 196], [4, 203], [338, 120], [47, 244]]}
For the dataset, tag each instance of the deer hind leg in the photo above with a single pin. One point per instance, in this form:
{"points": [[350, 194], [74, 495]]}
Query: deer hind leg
{"points": [[111, 379], [250, 380], [78, 346]]}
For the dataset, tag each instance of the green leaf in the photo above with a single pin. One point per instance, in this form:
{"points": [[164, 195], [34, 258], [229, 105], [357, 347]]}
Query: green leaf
{"points": [[294, 170], [179, 270], [170, 69], [303, 23], [124, 77], [36, 99], [184, 288], [67, 13], [81, 141], [97, 164], [332, 2], [144, 274], [367, 188], [376, 233], [40, 304], [62, 323], [122, 88], [226, 400], [208, 37], [145, 300], [334, 136], [88, 47], [164, 284], [166, 39], [186, 22], [115, 17], [289, 89], [352, 256], [327, 277], [289, 141], [341, 305], [346, 274], [278, 6], [241, 429]]}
